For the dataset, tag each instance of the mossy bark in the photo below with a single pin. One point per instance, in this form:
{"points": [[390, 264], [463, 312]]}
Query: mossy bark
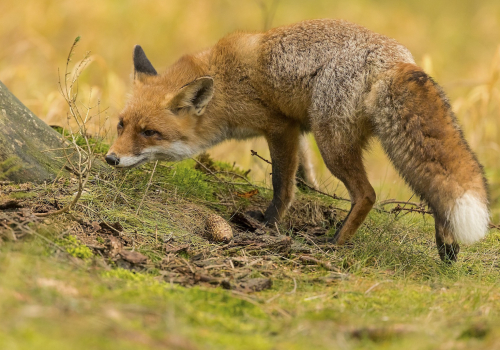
{"points": [[28, 146]]}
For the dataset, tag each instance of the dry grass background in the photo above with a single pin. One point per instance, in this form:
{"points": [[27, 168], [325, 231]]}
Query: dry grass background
{"points": [[457, 42]]}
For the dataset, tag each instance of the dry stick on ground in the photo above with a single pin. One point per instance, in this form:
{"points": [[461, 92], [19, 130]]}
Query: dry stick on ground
{"points": [[218, 179], [147, 188], [234, 183], [294, 287], [310, 240], [309, 259], [99, 216], [118, 189]]}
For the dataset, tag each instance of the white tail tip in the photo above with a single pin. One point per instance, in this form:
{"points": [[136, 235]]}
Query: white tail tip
{"points": [[469, 218]]}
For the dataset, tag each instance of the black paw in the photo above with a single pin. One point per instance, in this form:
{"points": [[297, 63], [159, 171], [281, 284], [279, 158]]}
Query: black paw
{"points": [[449, 252], [271, 217], [256, 214]]}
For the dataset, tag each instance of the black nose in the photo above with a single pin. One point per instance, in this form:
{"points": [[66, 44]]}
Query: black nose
{"points": [[112, 159]]}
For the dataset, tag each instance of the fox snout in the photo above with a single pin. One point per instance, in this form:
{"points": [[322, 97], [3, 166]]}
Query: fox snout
{"points": [[112, 159], [126, 161]]}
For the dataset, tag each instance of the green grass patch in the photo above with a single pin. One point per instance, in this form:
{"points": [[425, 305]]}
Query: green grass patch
{"points": [[392, 291]]}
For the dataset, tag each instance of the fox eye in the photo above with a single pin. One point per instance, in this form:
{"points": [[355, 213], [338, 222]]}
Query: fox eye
{"points": [[149, 133]]}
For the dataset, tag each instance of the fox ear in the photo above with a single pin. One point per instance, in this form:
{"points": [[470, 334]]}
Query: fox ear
{"points": [[142, 66], [196, 95]]}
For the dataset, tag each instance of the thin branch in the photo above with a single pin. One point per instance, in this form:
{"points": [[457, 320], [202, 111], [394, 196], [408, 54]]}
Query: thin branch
{"points": [[310, 260], [310, 240], [334, 196], [218, 179], [147, 188], [83, 166], [393, 201]]}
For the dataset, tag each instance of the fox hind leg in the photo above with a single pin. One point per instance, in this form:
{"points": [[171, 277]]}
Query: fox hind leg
{"points": [[306, 172], [343, 157], [447, 246]]}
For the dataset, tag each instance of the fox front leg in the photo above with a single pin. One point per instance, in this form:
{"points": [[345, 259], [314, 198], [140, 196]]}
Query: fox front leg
{"points": [[283, 146]]}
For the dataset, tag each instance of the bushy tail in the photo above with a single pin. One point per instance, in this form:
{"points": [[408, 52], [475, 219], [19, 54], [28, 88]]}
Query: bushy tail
{"points": [[417, 128]]}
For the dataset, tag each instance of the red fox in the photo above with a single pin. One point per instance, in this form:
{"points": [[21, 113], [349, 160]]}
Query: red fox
{"points": [[338, 80]]}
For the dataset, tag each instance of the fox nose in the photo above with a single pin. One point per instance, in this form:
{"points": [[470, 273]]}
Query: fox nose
{"points": [[112, 159]]}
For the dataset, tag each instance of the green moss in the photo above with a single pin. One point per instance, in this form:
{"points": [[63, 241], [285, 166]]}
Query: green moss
{"points": [[123, 274], [22, 195], [96, 143], [190, 182], [9, 166], [74, 247]]}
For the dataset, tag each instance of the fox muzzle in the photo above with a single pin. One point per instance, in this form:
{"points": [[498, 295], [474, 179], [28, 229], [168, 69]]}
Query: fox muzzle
{"points": [[112, 159]]}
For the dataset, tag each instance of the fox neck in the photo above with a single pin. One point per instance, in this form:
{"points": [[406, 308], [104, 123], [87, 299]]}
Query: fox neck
{"points": [[224, 118]]}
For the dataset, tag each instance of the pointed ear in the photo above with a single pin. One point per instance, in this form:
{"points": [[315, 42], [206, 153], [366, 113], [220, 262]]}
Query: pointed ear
{"points": [[196, 95], [142, 66]]}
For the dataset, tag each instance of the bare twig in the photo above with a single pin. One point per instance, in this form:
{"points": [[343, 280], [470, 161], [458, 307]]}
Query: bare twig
{"points": [[236, 175], [100, 218], [85, 155], [268, 12], [376, 285], [147, 188], [215, 176], [294, 287], [394, 201], [258, 156], [398, 209], [310, 240], [334, 196], [209, 171], [420, 208], [310, 260]]}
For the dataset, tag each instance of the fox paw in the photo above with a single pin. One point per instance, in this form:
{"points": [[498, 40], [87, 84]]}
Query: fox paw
{"points": [[256, 214], [449, 252]]}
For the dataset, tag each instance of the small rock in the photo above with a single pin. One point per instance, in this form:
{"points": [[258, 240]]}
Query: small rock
{"points": [[256, 284], [133, 257]]}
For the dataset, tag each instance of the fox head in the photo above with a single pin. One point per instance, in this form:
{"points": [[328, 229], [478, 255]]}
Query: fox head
{"points": [[163, 119]]}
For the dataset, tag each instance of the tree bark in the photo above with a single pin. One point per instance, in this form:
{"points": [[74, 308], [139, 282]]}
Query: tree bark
{"points": [[30, 150]]}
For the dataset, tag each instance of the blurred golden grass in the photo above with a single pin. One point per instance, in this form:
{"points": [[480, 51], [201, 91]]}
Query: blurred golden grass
{"points": [[456, 41]]}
